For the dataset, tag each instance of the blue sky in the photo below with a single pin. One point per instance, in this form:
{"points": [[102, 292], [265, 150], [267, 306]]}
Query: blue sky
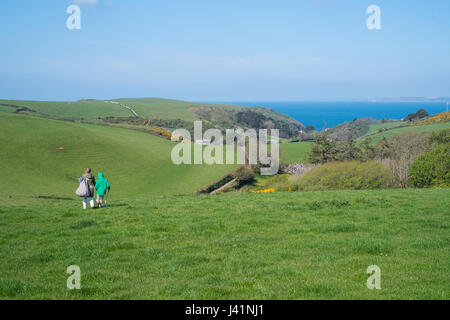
{"points": [[224, 50]]}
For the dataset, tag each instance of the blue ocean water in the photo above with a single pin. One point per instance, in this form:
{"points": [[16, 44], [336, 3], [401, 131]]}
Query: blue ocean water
{"points": [[330, 114]]}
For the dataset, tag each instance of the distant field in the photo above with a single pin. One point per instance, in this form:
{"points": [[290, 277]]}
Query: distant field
{"points": [[6, 109], [165, 108], [425, 128], [297, 245], [387, 125], [295, 152], [145, 107], [137, 164], [73, 110]]}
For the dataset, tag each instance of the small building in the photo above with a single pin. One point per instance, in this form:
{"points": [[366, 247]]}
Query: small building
{"points": [[203, 142]]}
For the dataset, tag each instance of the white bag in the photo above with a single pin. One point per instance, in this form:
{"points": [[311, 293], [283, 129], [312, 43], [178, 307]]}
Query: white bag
{"points": [[83, 190]]}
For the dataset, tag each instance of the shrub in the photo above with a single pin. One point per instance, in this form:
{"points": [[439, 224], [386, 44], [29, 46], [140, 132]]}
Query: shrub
{"points": [[442, 136], [244, 175], [420, 114], [270, 190], [326, 150], [347, 175], [432, 169], [399, 152], [216, 185]]}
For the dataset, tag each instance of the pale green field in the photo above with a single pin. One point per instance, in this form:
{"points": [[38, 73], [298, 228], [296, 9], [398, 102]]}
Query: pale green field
{"points": [[387, 125], [145, 107], [166, 108], [6, 109], [73, 110], [136, 163], [295, 152], [423, 128]]}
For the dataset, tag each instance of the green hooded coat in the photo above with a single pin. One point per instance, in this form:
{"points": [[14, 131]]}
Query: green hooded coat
{"points": [[102, 185]]}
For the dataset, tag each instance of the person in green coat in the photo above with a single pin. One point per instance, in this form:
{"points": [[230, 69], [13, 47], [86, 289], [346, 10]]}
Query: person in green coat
{"points": [[101, 186]]}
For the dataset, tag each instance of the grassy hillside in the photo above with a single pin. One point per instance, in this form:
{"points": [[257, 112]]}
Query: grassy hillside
{"points": [[163, 113], [373, 127], [166, 108], [42, 157], [145, 107], [72, 110], [418, 128], [310, 245], [295, 152]]}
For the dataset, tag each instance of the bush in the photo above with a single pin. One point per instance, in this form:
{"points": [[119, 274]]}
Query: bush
{"points": [[432, 169], [347, 175], [326, 150], [420, 114], [442, 136], [244, 175], [399, 152]]}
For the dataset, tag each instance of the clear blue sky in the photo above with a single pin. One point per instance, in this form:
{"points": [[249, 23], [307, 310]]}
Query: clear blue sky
{"points": [[224, 49]]}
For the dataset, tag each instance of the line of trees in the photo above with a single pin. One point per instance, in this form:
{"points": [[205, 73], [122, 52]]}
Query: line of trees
{"points": [[418, 159]]}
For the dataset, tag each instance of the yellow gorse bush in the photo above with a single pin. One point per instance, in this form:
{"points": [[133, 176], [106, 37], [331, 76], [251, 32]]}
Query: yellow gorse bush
{"points": [[437, 118], [264, 191], [164, 133]]}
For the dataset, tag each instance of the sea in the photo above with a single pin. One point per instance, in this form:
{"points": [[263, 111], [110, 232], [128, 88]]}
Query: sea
{"points": [[329, 114]]}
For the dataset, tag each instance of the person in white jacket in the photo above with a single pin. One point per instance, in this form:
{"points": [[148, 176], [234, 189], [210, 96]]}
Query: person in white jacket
{"points": [[90, 179]]}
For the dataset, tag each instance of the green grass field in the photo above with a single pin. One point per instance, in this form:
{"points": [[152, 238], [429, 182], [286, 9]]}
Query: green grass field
{"points": [[166, 108], [6, 109], [422, 128], [156, 240], [89, 109], [73, 110], [386, 125], [310, 245], [137, 164], [295, 152]]}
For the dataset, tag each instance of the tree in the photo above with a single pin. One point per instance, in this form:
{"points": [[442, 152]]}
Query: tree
{"points": [[323, 150], [399, 152], [432, 168], [368, 151], [420, 114]]}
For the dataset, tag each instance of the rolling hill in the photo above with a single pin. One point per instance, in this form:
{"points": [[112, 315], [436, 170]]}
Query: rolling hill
{"points": [[156, 240], [44, 157], [167, 113], [377, 136]]}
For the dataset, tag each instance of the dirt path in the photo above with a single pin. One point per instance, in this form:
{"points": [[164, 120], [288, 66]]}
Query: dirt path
{"points": [[126, 107], [224, 186]]}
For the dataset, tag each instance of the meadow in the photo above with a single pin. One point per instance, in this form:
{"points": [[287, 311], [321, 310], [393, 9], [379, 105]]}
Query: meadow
{"points": [[295, 152], [43, 157], [157, 240], [166, 108], [288, 245], [91, 109], [417, 128], [373, 127], [72, 110]]}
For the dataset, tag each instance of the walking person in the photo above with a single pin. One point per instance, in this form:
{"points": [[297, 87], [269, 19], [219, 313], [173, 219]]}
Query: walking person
{"points": [[90, 179], [101, 186]]}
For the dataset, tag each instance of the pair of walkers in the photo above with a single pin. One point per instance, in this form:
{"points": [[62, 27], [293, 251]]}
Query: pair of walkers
{"points": [[88, 186]]}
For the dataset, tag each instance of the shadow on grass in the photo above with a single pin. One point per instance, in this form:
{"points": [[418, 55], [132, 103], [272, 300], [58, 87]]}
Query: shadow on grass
{"points": [[53, 198]]}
